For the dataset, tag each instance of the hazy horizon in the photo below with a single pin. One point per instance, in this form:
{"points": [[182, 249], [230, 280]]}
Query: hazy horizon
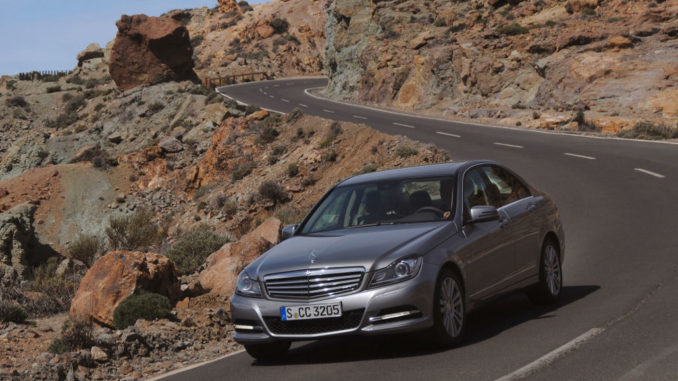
{"points": [[48, 35]]}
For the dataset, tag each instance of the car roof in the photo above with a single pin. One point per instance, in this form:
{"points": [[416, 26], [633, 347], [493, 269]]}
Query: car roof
{"points": [[422, 171]]}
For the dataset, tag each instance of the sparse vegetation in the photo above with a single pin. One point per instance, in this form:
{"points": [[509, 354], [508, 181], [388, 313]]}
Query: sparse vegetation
{"points": [[405, 151], [331, 156], [17, 101], [85, 249], [272, 191], [267, 135], [335, 130], [367, 169], [292, 169], [191, 250], [649, 131], [279, 25], [289, 215], [242, 170], [53, 89], [59, 288], [513, 29], [294, 116], [155, 107], [141, 305], [137, 231], [12, 312], [74, 335]]}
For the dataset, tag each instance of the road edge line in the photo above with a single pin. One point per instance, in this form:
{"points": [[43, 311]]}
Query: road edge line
{"points": [[187, 368], [552, 356]]}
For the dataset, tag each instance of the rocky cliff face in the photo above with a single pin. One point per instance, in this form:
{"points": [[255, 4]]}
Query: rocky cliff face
{"points": [[280, 37], [535, 63], [149, 50]]}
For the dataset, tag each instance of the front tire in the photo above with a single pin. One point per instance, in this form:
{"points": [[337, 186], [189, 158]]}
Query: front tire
{"points": [[268, 351], [547, 291], [449, 309]]}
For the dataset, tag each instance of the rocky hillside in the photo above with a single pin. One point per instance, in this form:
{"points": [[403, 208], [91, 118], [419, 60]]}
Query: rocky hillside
{"points": [[280, 37], [131, 195], [573, 65]]}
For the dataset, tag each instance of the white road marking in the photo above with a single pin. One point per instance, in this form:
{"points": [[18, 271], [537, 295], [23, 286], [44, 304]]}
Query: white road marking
{"points": [[285, 100], [265, 93], [655, 174], [303, 105], [271, 96], [328, 111], [359, 117], [448, 134], [507, 145], [181, 370], [276, 85], [579, 156], [261, 90], [403, 125], [552, 356]]}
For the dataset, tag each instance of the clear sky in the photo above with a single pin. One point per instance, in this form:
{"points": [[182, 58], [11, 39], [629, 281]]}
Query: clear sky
{"points": [[49, 34]]}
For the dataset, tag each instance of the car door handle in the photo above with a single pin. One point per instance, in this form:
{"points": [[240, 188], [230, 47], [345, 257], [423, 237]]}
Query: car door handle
{"points": [[531, 207]]}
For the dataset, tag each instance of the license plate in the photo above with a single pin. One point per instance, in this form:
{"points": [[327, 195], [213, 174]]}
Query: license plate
{"points": [[310, 311]]}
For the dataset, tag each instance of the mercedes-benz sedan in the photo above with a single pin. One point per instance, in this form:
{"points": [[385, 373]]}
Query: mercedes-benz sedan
{"points": [[401, 250]]}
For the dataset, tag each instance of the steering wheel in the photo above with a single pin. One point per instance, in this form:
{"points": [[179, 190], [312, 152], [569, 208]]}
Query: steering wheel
{"points": [[432, 209]]}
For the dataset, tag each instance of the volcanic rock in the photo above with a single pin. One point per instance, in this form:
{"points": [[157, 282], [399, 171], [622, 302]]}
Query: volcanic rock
{"points": [[118, 275], [16, 237], [223, 265], [92, 51], [150, 50]]}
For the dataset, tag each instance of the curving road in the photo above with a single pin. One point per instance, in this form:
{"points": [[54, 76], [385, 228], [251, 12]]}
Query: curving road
{"points": [[619, 315]]}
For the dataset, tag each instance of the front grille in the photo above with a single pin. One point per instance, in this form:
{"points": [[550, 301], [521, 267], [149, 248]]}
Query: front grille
{"points": [[349, 320], [314, 283]]}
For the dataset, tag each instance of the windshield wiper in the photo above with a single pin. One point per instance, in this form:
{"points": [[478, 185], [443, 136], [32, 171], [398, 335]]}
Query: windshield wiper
{"points": [[379, 223]]}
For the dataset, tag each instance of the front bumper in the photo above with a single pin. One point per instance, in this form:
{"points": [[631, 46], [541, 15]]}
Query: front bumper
{"points": [[401, 307]]}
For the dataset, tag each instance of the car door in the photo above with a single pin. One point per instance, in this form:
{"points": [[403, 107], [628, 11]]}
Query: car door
{"points": [[508, 194], [486, 253]]}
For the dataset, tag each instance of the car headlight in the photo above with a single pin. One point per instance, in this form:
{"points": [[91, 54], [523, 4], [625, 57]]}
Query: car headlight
{"points": [[246, 286], [398, 271]]}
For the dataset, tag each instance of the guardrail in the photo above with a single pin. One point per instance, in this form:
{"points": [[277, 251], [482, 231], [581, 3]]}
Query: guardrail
{"points": [[43, 75], [231, 79]]}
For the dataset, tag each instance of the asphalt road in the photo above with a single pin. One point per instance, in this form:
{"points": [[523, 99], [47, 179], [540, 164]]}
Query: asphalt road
{"points": [[618, 318]]}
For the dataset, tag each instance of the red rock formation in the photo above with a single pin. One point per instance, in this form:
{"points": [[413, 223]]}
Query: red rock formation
{"points": [[224, 265], [150, 50], [116, 276]]}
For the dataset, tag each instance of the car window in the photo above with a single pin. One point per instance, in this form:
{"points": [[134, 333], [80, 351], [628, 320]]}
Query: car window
{"points": [[503, 187], [385, 202], [474, 189]]}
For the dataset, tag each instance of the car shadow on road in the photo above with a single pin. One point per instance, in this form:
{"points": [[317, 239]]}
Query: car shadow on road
{"points": [[484, 323]]}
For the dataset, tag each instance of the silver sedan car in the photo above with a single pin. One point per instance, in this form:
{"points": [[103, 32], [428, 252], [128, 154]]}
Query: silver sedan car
{"points": [[401, 250]]}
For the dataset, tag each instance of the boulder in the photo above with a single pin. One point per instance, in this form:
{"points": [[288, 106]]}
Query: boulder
{"points": [[171, 145], [16, 241], [224, 265], [118, 275], [619, 42], [258, 115], [92, 51], [150, 50]]}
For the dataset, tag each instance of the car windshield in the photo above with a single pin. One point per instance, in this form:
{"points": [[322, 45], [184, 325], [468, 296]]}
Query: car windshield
{"points": [[382, 203]]}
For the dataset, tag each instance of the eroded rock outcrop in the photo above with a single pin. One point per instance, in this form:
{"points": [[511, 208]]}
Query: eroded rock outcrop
{"points": [[150, 50], [16, 241], [224, 265], [118, 275]]}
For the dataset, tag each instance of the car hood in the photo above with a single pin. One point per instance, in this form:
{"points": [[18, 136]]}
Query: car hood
{"points": [[368, 247]]}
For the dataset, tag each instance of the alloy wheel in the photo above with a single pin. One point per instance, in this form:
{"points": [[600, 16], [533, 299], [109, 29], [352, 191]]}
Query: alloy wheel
{"points": [[451, 307], [552, 270]]}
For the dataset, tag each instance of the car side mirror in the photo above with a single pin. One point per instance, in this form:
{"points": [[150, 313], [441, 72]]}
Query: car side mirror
{"points": [[288, 231], [482, 213]]}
